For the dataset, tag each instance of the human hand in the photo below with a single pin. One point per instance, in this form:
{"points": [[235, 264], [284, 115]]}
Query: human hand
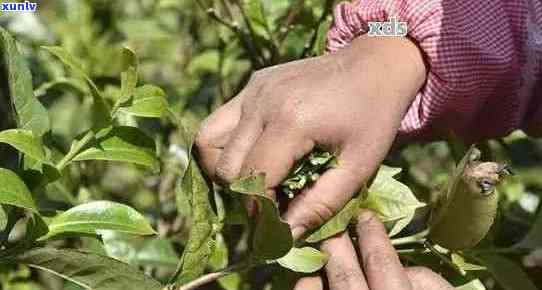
{"points": [[534, 259], [350, 102], [380, 268]]}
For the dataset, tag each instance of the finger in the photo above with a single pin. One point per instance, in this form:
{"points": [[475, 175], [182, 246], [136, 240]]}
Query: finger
{"points": [[422, 278], [215, 132], [381, 264], [241, 141], [309, 283], [327, 196], [534, 259], [342, 269], [275, 153]]}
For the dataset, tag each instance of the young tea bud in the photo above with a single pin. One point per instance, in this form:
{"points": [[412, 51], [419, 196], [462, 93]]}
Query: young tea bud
{"points": [[307, 171]]}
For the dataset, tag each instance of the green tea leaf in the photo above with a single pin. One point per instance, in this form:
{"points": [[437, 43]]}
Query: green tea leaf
{"points": [[268, 222], [201, 237], [124, 144], [507, 273], [157, 252], [338, 223], [128, 78], [25, 142], [30, 113], [255, 13], [129, 58], [13, 191], [192, 194], [36, 227], [389, 198], [533, 239], [236, 212], [118, 245], [472, 285], [219, 258], [148, 101], [231, 282], [303, 260], [401, 223], [128, 83], [88, 270], [252, 185], [464, 214], [68, 59], [321, 37], [100, 114], [99, 215], [196, 253], [465, 266], [204, 63], [3, 219], [63, 84]]}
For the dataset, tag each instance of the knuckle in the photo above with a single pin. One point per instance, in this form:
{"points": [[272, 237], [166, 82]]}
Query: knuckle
{"points": [[369, 225], [345, 275], [318, 213], [204, 135], [288, 111], [224, 171], [248, 110], [202, 139]]}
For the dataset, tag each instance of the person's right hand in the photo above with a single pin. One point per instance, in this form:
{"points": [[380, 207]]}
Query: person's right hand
{"points": [[350, 102], [379, 268]]}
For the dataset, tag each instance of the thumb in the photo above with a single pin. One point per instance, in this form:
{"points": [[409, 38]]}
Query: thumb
{"points": [[317, 204]]}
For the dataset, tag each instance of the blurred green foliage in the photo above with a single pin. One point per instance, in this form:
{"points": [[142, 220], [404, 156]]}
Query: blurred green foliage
{"points": [[199, 54]]}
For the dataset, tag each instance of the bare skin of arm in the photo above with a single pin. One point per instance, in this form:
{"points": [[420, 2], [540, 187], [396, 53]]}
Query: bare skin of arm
{"points": [[350, 102]]}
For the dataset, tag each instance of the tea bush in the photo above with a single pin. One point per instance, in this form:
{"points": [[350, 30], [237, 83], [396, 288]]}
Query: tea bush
{"points": [[100, 189]]}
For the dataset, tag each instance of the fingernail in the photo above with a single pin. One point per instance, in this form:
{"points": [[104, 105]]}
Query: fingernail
{"points": [[365, 216], [298, 231]]}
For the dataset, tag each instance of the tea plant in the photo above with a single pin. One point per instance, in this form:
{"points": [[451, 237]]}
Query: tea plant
{"points": [[99, 185]]}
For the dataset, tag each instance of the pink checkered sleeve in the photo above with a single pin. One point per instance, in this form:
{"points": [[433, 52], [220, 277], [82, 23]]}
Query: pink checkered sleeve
{"points": [[484, 62]]}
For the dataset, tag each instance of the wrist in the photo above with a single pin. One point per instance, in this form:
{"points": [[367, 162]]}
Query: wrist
{"points": [[389, 72], [394, 64]]}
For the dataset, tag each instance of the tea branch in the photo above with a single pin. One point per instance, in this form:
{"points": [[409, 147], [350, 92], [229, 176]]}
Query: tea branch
{"points": [[235, 28], [74, 150], [251, 33], [312, 42], [417, 238], [428, 245], [211, 277]]}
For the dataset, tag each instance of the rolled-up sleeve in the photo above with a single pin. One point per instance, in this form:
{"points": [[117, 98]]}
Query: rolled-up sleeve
{"points": [[484, 60]]}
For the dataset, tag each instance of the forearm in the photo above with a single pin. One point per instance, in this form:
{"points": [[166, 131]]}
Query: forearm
{"points": [[480, 82], [389, 70]]}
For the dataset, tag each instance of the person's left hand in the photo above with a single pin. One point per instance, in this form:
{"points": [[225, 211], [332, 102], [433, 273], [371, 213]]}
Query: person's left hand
{"points": [[380, 267]]}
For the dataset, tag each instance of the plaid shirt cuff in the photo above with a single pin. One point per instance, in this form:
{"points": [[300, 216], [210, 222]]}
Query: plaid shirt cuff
{"points": [[484, 62]]}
